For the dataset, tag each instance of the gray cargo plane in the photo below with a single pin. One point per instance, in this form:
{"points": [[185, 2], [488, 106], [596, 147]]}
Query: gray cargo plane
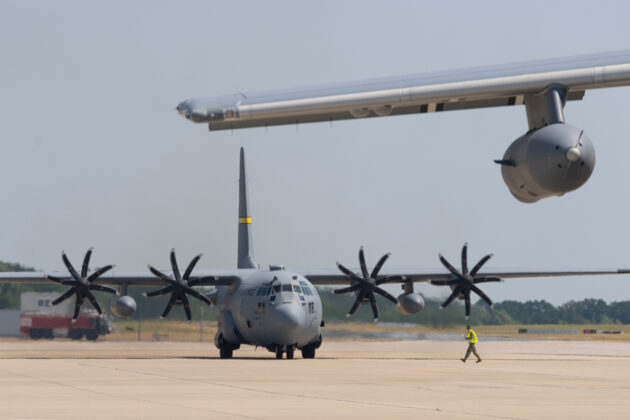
{"points": [[550, 159], [271, 307]]}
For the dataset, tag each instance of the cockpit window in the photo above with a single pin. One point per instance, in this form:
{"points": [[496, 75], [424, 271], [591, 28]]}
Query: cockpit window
{"points": [[297, 289], [307, 291], [286, 288]]}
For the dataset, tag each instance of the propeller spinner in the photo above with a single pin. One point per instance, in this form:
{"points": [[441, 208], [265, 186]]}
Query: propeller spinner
{"points": [[367, 284], [464, 282], [178, 286], [81, 284]]}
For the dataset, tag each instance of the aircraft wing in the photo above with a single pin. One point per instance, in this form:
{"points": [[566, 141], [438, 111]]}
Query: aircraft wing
{"points": [[481, 87], [332, 278], [113, 278]]}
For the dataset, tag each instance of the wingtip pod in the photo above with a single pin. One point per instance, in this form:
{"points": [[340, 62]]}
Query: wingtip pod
{"points": [[375, 320], [144, 294], [348, 315]]}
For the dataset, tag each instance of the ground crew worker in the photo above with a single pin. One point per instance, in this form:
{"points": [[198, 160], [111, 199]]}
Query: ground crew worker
{"points": [[471, 337]]}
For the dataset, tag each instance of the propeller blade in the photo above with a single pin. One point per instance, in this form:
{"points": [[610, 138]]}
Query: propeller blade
{"points": [[374, 307], [386, 295], [486, 279], [161, 275], [349, 273], [444, 282], [190, 267], [160, 292], [86, 263], [379, 265], [465, 258], [480, 264], [102, 288], [59, 280], [186, 308], [92, 299], [169, 306], [481, 294], [65, 296], [364, 269], [198, 295], [357, 302], [449, 267], [467, 302], [453, 295], [77, 308], [100, 272], [352, 288], [174, 265], [69, 266]]}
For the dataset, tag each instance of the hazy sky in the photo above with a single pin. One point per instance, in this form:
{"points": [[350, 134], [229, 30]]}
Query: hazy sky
{"points": [[94, 154]]}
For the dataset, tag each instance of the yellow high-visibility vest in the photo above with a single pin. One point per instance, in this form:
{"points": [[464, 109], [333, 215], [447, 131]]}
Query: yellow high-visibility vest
{"points": [[471, 337]]}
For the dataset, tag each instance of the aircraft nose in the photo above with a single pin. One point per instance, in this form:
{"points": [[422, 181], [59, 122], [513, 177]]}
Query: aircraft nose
{"points": [[288, 320]]}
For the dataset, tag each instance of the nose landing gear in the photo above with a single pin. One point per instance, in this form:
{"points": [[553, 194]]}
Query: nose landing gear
{"points": [[280, 350]]}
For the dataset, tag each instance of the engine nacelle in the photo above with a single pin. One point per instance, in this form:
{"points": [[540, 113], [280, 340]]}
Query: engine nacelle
{"points": [[548, 162], [410, 303], [123, 306]]}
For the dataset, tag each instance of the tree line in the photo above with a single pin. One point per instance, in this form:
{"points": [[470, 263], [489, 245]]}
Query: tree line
{"points": [[587, 311]]}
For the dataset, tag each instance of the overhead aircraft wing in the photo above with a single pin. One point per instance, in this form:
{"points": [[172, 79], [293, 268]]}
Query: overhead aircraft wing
{"points": [[481, 87], [113, 278], [336, 278]]}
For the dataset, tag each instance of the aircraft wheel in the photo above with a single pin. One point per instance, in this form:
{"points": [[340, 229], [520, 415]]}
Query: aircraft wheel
{"points": [[290, 351], [308, 352], [225, 353], [279, 352]]}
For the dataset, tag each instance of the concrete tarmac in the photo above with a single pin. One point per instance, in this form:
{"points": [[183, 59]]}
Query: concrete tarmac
{"points": [[348, 379]]}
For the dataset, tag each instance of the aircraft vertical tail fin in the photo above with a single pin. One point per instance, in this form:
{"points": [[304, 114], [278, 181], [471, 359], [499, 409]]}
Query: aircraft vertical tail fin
{"points": [[245, 254]]}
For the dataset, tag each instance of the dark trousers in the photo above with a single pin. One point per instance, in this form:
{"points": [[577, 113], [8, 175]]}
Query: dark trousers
{"points": [[471, 349]]}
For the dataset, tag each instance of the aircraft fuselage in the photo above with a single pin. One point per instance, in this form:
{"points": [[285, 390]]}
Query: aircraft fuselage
{"points": [[269, 309]]}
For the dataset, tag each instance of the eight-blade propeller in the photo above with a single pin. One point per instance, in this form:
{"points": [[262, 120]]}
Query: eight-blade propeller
{"points": [[81, 284], [366, 285], [178, 287], [464, 282]]}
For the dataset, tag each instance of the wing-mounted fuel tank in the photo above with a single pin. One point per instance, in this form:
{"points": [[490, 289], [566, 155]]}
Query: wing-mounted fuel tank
{"points": [[549, 161], [123, 306], [409, 302], [552, 158]]}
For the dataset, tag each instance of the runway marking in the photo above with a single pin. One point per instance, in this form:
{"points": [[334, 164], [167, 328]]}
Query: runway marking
{"points": [[308, 397], [49, 381]]}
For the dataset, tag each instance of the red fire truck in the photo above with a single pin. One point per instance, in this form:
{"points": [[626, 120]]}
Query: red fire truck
{"points": [[41, 320]]}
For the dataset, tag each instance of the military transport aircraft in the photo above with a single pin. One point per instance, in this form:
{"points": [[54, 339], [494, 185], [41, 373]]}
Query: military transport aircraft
{"points": [[270, 307], [550, 159]]}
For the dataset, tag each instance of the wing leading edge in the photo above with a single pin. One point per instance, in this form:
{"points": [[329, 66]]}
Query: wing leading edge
{"points": [[481, 87], [331, 278]]}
